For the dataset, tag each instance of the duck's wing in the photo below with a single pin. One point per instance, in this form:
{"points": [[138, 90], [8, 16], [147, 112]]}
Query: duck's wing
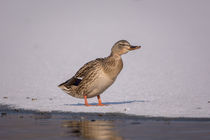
{"points": [[85, 71], [90, 66], [70, 82]]}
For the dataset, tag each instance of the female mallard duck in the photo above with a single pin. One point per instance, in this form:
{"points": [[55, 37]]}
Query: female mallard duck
{"points": [[96, 76]]}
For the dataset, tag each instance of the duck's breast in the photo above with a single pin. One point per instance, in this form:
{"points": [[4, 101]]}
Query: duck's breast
{"points": [[100, 84]]}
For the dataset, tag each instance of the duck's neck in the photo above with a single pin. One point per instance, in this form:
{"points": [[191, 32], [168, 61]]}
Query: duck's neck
{"points": [[113, 65], [115, 55]]}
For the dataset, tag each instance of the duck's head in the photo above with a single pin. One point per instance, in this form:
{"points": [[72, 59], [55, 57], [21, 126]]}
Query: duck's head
{"points": [[122, 47]]}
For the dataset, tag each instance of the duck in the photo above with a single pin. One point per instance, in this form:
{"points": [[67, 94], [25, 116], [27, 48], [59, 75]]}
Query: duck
{"points": [[93, 78]]}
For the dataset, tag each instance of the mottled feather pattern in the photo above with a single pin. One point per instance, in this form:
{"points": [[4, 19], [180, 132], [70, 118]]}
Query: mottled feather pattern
{"points": [[83, 70], [112, 66], [87, 81]]}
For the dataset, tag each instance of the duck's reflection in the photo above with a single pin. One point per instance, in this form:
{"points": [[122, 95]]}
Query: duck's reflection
{"points": [[94, 130]]}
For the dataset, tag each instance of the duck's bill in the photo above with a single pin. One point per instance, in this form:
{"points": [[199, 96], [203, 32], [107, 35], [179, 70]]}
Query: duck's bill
{"points": [[134, 47]]}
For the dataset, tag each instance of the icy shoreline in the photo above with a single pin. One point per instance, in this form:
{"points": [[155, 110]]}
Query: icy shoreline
{"points": [[43, 44]]}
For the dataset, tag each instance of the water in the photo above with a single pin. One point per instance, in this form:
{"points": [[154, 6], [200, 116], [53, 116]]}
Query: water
{"points": [[82, 126], [95, 130]]}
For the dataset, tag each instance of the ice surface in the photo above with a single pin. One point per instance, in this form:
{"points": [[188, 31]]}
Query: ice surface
{"points": [[43, 43]]}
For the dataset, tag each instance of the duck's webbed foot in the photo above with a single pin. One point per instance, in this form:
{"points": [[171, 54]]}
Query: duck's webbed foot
{"points": [[99, 101], [86, 102]]}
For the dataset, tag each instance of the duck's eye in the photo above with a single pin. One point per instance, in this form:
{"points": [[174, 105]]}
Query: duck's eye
{"points": [[121, 46]]}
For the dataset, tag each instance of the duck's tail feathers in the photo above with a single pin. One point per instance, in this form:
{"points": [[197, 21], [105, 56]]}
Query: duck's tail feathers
{"points": [[73, 81], [66, 85], [63, 87], [70, 87]]}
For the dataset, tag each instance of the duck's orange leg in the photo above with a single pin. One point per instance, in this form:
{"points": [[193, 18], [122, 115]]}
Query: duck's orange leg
{"points": [[99, 101], [86, 102]]}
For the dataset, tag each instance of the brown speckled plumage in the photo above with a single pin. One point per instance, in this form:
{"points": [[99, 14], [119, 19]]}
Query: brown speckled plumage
{"points": [[97, 75]]}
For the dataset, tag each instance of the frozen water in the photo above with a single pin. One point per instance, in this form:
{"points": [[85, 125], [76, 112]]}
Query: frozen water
{"points": [[43, 43]]}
